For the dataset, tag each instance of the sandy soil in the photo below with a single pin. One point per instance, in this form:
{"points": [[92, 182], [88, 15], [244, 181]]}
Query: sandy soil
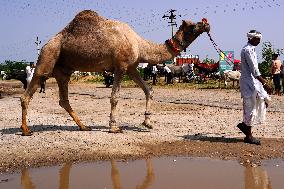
{"points": [[187, 122]]}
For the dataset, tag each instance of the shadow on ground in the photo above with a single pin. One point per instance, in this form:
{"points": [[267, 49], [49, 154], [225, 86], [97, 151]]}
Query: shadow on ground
{"points": [[45, 128], [203, 137]]}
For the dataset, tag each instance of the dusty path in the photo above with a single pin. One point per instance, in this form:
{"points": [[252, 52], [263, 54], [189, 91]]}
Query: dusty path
{"points": [[186, 122]]}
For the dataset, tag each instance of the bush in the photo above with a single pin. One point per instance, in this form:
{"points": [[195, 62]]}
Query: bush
{"points": [[267, 51]]}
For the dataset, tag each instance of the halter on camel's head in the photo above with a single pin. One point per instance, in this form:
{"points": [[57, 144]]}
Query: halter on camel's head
{"points": [[186, 34]]}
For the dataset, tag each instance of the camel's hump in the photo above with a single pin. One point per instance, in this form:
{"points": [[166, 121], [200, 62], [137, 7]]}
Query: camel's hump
{"points": [[85, 19], [87, 14]]}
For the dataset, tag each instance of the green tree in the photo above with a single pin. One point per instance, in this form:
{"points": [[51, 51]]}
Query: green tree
{"points": [[9, 65], [267, 51]]}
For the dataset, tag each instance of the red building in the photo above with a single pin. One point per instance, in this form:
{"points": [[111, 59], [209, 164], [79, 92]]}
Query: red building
{"points": [[186, 59]]}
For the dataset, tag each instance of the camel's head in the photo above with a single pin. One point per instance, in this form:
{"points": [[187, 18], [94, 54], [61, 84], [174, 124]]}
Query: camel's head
{"points": [[189, 31]]}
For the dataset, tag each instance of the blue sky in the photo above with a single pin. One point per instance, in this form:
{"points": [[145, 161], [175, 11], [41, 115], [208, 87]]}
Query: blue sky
{"points": [[23, 20]]}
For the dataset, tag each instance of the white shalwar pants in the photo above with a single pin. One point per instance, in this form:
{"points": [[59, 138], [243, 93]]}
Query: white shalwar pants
{"points": [[29, 80], [254, 110]]}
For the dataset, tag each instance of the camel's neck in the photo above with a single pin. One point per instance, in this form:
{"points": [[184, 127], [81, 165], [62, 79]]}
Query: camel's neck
{"points": [[154, 53]]}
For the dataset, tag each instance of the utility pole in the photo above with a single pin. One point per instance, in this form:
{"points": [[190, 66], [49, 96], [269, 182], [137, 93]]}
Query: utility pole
{"points": [[37, 42], [172, 18]]}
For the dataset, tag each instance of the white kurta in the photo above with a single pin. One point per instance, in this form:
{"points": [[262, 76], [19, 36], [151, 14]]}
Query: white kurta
{"points": [[252, 91], [154, 70], [30, 73], [167, 69]]}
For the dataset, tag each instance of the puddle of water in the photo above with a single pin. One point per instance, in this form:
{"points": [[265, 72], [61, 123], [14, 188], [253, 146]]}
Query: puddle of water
{"points": [[166, 173]]}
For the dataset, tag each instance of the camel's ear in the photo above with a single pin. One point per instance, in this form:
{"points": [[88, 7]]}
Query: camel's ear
{"points": [[183, 25], [186, 23]]}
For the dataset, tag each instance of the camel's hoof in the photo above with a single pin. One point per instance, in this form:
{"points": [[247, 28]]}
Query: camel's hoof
{"points": [[115, 130], [148, 125], [27, 133], [85, 129]]}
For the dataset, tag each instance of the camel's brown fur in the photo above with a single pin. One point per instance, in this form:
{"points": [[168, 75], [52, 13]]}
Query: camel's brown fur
{"points": [[93, 43]]}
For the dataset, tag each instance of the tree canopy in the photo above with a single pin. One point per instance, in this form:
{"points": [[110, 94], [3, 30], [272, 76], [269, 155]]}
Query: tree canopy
{"points": [[267, 51], [9, 65]]}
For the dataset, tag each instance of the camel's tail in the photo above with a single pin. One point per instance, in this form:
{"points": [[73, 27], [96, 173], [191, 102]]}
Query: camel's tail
{"points": [[48, 57]]}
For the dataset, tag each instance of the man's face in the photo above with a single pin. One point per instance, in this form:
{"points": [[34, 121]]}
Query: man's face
{"points": [[255, 41], [274, 57]]}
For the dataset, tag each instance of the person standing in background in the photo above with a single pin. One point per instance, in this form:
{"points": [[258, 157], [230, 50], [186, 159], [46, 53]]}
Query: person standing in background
{"points": [[30, 72], [275, 72], [282, 76], [154, 74], [169, 74]]}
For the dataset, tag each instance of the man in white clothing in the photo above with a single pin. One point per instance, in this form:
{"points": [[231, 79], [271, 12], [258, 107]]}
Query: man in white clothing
{"points": [[169, 74], [30, 72], [251, 84], [154, 74]]}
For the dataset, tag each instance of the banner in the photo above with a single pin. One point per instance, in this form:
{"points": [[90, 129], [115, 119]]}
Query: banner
{"points": [[226, 61]]}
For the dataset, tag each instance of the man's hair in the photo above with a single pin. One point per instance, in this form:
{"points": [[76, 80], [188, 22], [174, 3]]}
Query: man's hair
{"points": [[253, 31], [275, 56]]}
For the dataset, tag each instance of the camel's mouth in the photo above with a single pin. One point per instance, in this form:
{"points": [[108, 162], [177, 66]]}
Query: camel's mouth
{"points": [[202, 26], [207, 28], [206, 25]]}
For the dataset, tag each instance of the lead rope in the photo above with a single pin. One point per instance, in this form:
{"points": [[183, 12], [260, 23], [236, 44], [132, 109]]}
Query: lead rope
{"points": [[219, 51]]}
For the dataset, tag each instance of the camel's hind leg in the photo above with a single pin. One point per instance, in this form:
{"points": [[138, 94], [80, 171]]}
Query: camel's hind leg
{"points": [[62, 77], [133, 73]]}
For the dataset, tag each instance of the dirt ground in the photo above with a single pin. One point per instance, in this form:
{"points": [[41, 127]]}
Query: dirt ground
{"points": [[187, 122]]}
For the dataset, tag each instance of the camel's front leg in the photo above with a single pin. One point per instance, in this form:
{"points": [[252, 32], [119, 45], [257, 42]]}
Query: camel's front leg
{"points": [[148, 93], [25, 99], [113, 101]]}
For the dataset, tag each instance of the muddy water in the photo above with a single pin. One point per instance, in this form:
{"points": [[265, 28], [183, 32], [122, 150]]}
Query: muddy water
{"points": [[160, 173]]}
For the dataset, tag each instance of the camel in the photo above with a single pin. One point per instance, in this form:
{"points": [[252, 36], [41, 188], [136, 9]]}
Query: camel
{"points": [[91, 43]]}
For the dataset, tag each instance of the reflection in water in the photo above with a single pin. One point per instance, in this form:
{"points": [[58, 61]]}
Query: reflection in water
{"points": [[63, 178], [115, 176], [64, 174], [256, 178], [26, 180], [149, 178]]}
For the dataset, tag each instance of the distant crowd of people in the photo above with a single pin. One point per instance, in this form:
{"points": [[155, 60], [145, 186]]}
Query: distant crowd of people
{"points": [[165, 70]]}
